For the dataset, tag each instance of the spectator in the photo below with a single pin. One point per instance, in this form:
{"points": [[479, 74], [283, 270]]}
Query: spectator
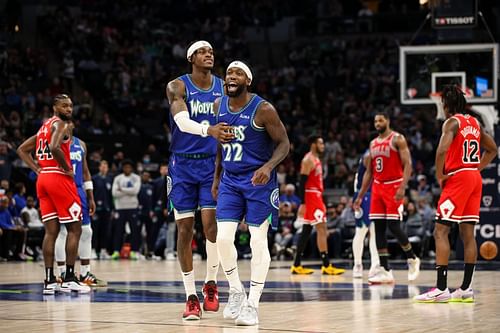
{"points": [[283, 238], [13, 236], [126, 187], [101, 221], [161, 190], [31, 219], [7, 156], [290, 197], [146, 213]]}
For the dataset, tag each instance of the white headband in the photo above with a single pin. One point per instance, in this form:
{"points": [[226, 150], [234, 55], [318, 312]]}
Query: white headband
{"points": [[198, 45], [243, 67]]}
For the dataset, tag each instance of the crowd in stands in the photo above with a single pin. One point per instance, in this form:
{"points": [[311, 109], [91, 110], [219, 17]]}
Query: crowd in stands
{"points": [[115, 59]]}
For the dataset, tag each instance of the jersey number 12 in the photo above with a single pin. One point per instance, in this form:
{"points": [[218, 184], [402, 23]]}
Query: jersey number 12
{"points": [[471, 152]]}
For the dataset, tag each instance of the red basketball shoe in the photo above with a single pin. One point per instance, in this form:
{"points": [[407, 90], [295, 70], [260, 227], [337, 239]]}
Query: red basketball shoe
{"points": [[210, 297]]}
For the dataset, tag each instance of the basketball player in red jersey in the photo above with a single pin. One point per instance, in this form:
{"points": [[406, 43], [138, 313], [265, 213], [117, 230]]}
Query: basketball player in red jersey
{"points": [[313, 211], [458, 166], [390, 166], [56, 190]]}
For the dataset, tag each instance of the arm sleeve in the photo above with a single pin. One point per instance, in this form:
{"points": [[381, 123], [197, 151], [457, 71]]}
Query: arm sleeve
{"points": [[301, 188], [188, 125]]}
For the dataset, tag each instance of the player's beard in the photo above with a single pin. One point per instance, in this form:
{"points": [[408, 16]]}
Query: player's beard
{"points": [[64, 117], [381, 130], [237, 92]]}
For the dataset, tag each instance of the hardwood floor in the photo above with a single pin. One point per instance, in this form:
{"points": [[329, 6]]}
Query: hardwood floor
{"points": [[148, 296]]}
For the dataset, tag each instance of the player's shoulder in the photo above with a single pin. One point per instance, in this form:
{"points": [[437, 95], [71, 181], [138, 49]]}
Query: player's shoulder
{"points": [[264, 105], [178, 82]]}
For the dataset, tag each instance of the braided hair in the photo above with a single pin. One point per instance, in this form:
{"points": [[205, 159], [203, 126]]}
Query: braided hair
{"points": [[58, 98], [454, 99]]}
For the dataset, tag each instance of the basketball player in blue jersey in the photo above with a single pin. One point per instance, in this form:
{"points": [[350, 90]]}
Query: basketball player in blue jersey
{"points": [[246, 186], [83, 181], [363, 225], [191, 169]]}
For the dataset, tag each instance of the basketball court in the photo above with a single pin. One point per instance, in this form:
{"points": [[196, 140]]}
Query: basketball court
{"points": [[148, 296]]}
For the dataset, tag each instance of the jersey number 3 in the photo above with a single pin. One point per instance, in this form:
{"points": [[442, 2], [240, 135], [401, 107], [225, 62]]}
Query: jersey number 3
{"points": [[471, 152], [43, 151], [379, 164]]}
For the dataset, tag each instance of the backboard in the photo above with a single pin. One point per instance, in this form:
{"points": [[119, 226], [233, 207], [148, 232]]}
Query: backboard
{"points": [[426, 69]]}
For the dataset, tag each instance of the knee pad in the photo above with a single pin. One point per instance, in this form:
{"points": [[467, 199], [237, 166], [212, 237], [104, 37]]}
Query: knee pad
{"points": [[85, 244], [60, 247]]}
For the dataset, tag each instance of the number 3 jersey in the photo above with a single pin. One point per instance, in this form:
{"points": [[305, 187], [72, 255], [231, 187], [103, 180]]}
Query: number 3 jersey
{"points": [[386, 163], [464, 152], [43, 154], [252, 146]]}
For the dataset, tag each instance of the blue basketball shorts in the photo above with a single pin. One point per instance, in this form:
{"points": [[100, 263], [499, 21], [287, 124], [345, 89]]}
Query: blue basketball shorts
{"points": [[189, 183], [239, 199], [363, 218], [85, 205]]}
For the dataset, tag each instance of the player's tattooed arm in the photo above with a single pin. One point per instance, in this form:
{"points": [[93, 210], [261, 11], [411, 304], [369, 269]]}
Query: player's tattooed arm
{"points": [[490, 149], [60, 130], [176, 94], [217, 173], [267, 117], [449, 130], [404, 154], [367, 179], [25, 150]]}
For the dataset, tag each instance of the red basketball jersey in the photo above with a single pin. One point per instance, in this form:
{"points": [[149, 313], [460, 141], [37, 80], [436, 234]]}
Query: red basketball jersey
{"points": [[43, 153], [386, 163], [315, 179], [464, 151]]}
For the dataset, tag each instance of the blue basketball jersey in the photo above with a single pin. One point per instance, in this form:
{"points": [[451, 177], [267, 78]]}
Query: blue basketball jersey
{"points": [[252, 146], [358, 179], [76, 155], [200, 107]]}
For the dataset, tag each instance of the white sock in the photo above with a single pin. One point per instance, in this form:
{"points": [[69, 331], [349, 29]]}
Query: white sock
{"points": [[212, 261], [189, 286], [84, 269], [374, 258], [62, 269], [228, 255], [358, 244], [261, 260]]}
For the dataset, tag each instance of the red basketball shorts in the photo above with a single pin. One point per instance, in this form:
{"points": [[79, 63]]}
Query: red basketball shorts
{"points": [[383, 206], [461, 197], [58, 197], [315, 208]]}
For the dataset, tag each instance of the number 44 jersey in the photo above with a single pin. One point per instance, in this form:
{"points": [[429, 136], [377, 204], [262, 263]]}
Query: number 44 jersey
{"points": [[43, 153]]}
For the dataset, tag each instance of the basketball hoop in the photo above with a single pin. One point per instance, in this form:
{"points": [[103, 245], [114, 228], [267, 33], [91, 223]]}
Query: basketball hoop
{"points": [[436, 98]]}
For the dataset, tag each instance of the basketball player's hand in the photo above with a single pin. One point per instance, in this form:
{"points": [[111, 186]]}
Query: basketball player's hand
{"points": [[261, 176], [222, 132], [91, 207], [400, 194], [357, 204], [442, 179], [69, 173]]}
